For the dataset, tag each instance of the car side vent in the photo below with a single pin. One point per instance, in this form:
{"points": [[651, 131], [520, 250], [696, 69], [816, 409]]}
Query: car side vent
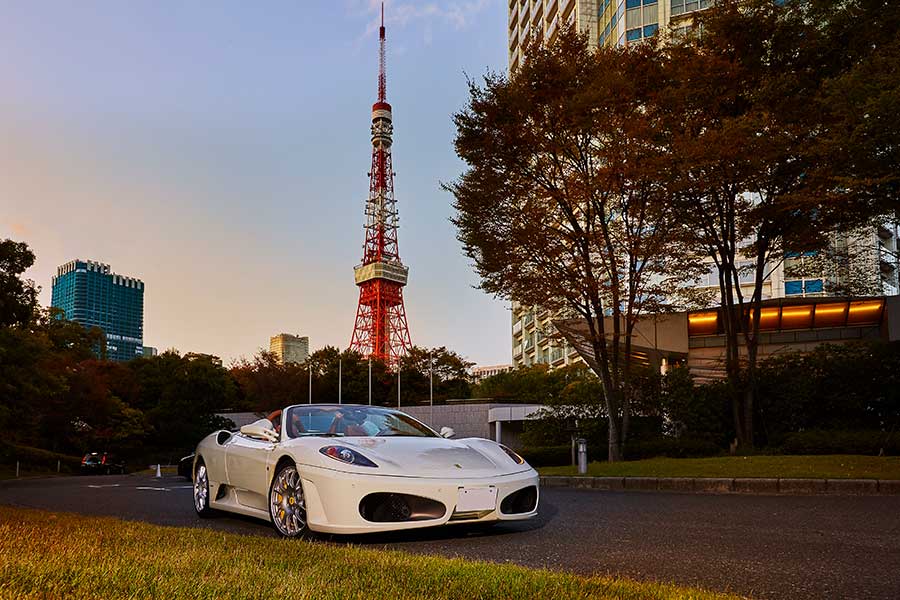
{"points": [[382, 507], [223, 437], [520, 501]]}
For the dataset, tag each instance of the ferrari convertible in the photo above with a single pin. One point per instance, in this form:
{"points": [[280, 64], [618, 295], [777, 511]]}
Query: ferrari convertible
{"points": [[350, 469]]}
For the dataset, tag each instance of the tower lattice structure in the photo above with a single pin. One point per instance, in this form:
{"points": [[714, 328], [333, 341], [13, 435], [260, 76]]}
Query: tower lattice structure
{"points": [[381, 330]]}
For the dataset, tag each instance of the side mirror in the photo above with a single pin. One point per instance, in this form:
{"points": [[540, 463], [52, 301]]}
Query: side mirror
{"points": [[447, 432], [261, 430]]}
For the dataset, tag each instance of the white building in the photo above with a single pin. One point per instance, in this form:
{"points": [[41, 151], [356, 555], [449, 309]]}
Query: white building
{"points": [[479, 373]]}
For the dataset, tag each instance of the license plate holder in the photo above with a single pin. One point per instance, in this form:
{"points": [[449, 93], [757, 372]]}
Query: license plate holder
{"points": [[476, 499]]}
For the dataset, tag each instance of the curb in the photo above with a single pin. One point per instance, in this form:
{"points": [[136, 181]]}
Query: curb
{"points": [[739, 485]]}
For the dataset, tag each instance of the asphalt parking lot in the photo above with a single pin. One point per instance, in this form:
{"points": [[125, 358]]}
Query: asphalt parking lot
{"points": [[759, 546]]}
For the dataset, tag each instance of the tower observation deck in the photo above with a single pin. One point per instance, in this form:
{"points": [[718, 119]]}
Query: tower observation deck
{"points": [[381, 331]]}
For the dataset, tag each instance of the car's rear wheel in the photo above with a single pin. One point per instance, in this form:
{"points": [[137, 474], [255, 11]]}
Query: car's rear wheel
{"points": [[287, 506], [201, 490]]}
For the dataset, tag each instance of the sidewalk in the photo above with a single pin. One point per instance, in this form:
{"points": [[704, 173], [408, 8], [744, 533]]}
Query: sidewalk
{"points": [[728, 485]]}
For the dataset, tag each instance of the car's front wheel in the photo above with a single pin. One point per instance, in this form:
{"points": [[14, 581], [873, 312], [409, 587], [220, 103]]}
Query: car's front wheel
{"points": [[287, 506], [201, 491]]}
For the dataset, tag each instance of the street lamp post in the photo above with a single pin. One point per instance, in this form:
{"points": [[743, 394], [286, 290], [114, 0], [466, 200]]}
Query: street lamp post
{"points": [[309, 367], [431, 388], [339, 382]]}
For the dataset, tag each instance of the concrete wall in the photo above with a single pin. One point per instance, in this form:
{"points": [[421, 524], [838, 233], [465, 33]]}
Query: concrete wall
{"points": [[467, 420], [478, 420]]}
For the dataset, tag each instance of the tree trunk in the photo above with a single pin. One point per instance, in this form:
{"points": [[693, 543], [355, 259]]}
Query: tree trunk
{"points": [[616, 453]]}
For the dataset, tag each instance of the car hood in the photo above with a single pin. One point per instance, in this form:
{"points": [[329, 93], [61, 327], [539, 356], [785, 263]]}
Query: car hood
{"points": [[429, 457]]}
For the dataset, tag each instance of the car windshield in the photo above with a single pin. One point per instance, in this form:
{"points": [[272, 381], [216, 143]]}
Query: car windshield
{"points": [[352, 421]]}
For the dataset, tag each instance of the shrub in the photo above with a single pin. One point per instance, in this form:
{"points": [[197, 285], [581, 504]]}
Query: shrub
{"points": [[672, 448], [37, 459], [841, 442], [547, 456]]}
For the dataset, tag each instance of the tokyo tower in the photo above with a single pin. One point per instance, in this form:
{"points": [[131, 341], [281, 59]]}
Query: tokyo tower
{"points": [[381, 331]]}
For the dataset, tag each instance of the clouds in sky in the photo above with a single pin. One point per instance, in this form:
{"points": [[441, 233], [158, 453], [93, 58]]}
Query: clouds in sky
{"points": [[458, 14]]}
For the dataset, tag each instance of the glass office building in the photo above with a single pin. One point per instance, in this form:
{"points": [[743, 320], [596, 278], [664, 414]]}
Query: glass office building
{"points": [[90, 294]]}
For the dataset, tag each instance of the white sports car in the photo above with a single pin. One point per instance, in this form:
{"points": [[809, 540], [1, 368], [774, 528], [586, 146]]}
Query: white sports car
{"points": [[357, 469]]}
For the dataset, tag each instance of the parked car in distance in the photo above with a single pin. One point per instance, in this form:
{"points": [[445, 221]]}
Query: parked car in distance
{"points": [[186, 467], [102, 463]]}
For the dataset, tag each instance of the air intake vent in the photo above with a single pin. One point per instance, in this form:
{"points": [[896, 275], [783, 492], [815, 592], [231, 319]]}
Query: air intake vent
{"points": [[520, 501], [383, 507]]}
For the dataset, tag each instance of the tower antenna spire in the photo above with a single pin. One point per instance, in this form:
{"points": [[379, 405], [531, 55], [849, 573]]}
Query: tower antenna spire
{"points": [[382, 76]]}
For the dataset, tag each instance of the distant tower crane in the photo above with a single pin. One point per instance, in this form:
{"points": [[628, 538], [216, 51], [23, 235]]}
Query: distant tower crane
{"points": [[381, 331]]}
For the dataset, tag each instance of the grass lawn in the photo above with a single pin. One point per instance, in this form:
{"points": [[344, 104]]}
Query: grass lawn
{"points": [[838, 466], [60, 555]]}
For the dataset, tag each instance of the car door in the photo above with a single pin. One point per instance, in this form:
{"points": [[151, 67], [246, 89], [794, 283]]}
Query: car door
{"points": [[245, 466]]}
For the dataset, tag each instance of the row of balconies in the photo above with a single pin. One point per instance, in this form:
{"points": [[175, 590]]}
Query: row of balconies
{"points": [[522, 21]]}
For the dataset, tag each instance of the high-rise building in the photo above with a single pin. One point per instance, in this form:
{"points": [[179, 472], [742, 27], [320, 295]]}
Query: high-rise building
{"points": [[150, 351], [606, 22], [289, 348], [89, 293]]}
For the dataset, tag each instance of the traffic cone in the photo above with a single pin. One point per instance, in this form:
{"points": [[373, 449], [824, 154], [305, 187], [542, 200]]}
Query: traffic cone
{"points": [[158, 472]]}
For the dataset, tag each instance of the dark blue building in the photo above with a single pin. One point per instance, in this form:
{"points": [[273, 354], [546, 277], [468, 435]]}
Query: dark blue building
{"points": [[89, 294]]}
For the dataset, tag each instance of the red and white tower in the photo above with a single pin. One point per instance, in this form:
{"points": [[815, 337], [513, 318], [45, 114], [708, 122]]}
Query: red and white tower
{"points": [[381, 331]]}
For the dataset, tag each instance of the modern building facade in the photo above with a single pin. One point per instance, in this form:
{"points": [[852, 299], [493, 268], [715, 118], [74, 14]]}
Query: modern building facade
{"points": [[89, 293], [289, 348], [696, 338], [606, 22]]}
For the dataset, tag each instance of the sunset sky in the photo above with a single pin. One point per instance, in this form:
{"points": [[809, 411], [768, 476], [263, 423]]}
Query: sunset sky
{"points": [[219, 150]]}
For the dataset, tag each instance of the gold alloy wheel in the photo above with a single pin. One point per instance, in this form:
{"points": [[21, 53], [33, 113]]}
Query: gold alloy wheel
{"points": [[201, 490], [287, 506]]}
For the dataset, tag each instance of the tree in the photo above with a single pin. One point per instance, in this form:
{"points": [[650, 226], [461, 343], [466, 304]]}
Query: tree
{"points": [[18, 297], [561, 204], [857, 103], [266, 385], [444, 370], [756, 173]]}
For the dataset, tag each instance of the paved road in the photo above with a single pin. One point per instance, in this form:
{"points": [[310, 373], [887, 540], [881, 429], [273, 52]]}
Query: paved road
{"points": [[760, 546]]}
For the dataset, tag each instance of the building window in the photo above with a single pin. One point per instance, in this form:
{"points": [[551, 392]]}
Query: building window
{"points": [[813, 286], [804, 287], [684, 6], [633, 35], [793, 288]]}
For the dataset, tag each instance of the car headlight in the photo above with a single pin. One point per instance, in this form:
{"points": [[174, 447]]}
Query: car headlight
{"points": [[347, 455], [519, 460]]}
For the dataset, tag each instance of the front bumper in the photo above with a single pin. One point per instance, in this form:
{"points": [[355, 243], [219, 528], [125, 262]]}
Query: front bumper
{"points": [[333, 498]]}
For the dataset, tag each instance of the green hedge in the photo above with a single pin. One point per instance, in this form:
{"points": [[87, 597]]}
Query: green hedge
{"points": [[36, 459], [548, 456], [820, 441], [671, 448], [556, 456]]}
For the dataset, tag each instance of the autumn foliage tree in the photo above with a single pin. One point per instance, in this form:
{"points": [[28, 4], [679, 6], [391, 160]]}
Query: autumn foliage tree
{"points": [[767, 160], [561, 204]]}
